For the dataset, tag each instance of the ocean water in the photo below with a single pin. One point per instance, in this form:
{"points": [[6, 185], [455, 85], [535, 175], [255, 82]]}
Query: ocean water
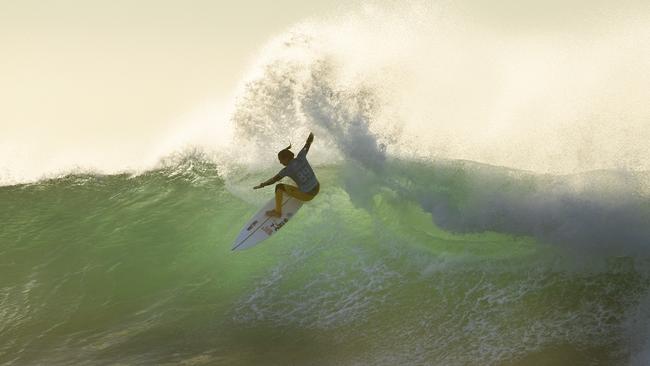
{"points": [[123, 269], [473, 211]]}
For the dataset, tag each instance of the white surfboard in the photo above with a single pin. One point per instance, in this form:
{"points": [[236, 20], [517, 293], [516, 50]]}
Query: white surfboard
{"points": [[260, 226]]}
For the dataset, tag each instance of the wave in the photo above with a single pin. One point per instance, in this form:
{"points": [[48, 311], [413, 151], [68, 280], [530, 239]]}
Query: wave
{"points": [[99, 268], [599, 213]]}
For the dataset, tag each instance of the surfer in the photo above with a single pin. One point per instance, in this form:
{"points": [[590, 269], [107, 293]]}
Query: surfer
{"points": [[300, 171]]}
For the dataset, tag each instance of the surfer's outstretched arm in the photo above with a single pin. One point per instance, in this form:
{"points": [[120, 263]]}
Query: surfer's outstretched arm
{"points": [[269, 181], [309, 141]]}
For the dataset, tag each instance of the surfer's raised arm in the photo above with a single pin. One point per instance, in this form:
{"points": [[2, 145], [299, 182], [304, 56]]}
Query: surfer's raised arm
{"points": [[269, 181], [310, 138]]}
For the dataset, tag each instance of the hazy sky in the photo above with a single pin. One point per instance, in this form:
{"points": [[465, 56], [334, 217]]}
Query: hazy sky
{"points": [[78, 75], [145, 61]]}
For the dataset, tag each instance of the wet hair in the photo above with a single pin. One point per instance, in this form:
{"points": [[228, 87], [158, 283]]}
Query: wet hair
{"points": [[285, 153]]}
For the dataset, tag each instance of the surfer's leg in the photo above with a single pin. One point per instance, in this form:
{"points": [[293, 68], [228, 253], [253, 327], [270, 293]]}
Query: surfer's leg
{"points": [[296, 193], [292, 191], [278, 202], [278, 198]]}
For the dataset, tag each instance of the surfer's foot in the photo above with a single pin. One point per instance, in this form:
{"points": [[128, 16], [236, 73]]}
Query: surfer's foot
{"points": [[273, 213]]}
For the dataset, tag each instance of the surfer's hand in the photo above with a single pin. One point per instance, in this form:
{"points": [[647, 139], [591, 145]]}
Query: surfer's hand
{"points": [[310, 138], [259, 186]]}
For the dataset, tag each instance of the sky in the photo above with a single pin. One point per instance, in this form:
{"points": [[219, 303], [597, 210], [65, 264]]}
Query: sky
{"points": [[89, 72], [98, 82]]}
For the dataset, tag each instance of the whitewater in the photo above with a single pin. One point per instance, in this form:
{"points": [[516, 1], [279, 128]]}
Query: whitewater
{"points": [[485, 200]]}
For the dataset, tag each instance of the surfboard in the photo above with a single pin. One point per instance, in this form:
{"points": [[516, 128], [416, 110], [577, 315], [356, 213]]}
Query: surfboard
{"points": [[260, 227]]}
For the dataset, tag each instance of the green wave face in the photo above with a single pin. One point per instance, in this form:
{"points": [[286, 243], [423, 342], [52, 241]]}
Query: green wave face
{"points": [[411, 264]]}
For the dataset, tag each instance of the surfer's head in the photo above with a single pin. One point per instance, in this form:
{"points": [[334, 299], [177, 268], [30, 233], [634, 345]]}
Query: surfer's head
{"points": [[285, 155]]}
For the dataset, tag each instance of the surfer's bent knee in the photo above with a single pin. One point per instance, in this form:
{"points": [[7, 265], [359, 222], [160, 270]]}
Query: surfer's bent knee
{"points": [[279, 187]]}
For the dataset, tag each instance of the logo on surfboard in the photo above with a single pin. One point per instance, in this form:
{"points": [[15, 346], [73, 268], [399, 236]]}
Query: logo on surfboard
{"points": [[274, 226]]}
